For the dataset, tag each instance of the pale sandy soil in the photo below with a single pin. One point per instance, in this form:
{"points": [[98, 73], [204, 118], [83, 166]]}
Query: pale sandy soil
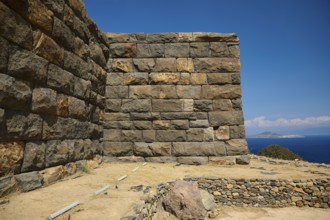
{"points": [[117, 203]]}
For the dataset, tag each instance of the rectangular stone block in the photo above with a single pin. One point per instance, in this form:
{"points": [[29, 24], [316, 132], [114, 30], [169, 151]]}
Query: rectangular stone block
{"points": [[143, 125], [113, 105], [4, 45], [116, 116], [121, 65], [164, 78], [78, 108], [97, 53], [134, 79], [237, 132], [199, 124], [234, 50], [219, 49], [203, 105], [150, 50], [114, 79], [219, 78], [167, 105], [189, 92], [123, 50], [221, 92], [82, 88], [60, 80], [144, 65], [59, 152], [222, 133], [116, 92], [62, 105], [29, 181], [136, 105], [143, 92], [198, 79], [145, 115], [217, 65], [177, 50], [167, 92], [178, 115], [164, 159], [226, 118], [180, 124], [198, 49], [170, 135], [112, 135], [165, 65], [222, 105], [152, 149], [195, 134], [63, 35], [214, 37], [131, 135], [149, 136], [34, 156], [161, 37], [76, 65], [184, 79], [193, 160], [187, 105], [161, 124], [44, 101], [198, 149], [236, 147], [12, 154], [117, 148]]}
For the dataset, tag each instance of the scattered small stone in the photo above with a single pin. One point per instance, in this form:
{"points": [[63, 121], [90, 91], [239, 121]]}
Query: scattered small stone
{"points": [[269, 173], [137, 188], [4, 201]]}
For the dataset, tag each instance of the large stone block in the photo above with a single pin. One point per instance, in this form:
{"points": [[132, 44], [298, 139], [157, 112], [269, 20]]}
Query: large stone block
{"points": [[97, 54], [56, 6], [184, 65], [11, 156], [203, 105], [234, 50], [8, 185], [167, 92], [178, 115], [136, 105], [81, 30], [144, 65], [164, 159], [145, 115], [143, 92], [221, 92], [198, 79], [117, 116], [222, 133], [26, 65], [187, 105], [78, 108], [152, 149], [150, 50], [4, 45], [117, 92], [78, 7], [112, 135], [199, 124], [63, 35], [226, 118], [236, 147], [199, 49], [117, 148], [24, 126], [44, 101], [14, 94], [113, 105], [161, 37], [123, 50], [60, 79], [214, 37], [134, 79], [217, 65], [219, 78], [171, 135], [53, 174], [237, 132], [193, 160], [114, 79], [47, 48], [29, 181], [34, 156], [185, 79], [165, 65], [219, 49], [59, 152], [82, 88], [14, 28], [121, 65], [149, 136], [143, 125], [189, 92], [177, 50], [222, 104], [166, 105], [195, 134], [131, 135], [164, 78], [180, 124], [161, 124], [76, 65], [62, 105], [198, 149]]}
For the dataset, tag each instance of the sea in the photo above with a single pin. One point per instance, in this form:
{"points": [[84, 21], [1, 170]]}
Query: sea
{"points": [[311, 148]]}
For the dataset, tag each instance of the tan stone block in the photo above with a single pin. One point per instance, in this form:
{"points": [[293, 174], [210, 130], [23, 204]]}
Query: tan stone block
{"points": [[217, 65], [221, 91], [38, 14], [208, 134], [161, 124], [62, 106], [184, 79], [81, 49], [53, 174], [165, 65], [184, 65], [123, 50], [219, 78], [144, 91], [11, 156], [164, 78], [234, 50], [215, 37], [167, 92], [117, 37], [237, 147], [198, 78], [185, 37], [79, 7], [222, 104], [122, 65], [189, 92], [188, 105], [47, 48], [222, 133]]}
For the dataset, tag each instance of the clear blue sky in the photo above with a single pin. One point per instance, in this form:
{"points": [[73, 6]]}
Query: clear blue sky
{"points": [[285, 51]]}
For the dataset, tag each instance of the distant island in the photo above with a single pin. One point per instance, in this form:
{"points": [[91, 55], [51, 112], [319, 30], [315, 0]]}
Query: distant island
{"points": [[268, 134]]}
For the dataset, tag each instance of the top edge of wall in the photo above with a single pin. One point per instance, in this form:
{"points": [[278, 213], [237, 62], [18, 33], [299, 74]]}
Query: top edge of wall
{"points": [[172, 37]]}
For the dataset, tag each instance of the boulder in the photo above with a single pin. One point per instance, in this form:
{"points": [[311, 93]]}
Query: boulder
{"points": [[184, 201], [243, 160], [208, 200], [11, 156], [53, 174], [29, 181]]}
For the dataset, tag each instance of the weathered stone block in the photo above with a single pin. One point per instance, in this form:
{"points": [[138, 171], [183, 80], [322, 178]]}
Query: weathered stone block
{"points": [[117, 148], [47, 48], [11, 156], [63, 35], [121, 65], [97, 54], [34, 156], [184, 37], [170, 135], [114, 79], [199, 49], [14, 28], [208, 134], [78, 108], [62, 105], [180, 124], [187, 105], [117, 92], [136, 105], [116, 117], [76, 65], [164, 78], [60, 79], [144, 65], [219, 49], [237, 132], [150, 50], [184, 79], [143, 125], [81, 49], [118, 37], [4, 45], [143, 92], [152, 149], [24, 126], [113, 105], [53, 174], [134, 79], [178, 115], [218, 65], [221, 92], [237, 104], [222, 104], [44, 101], [14, 94], [59, 152], [226, 118], [222, 133], [112, 135], [166, 105], [234, 50], [176, 50], [2, 123], [26, 65], [165, 65], [198, 149], [78, 6], [215, 37], [8, 185], [161, 37], [56, 6], [81, 30], [201, 115], [164, 159], [195, 134], [167, 92], [236, 78], [203, 105], [193, 160], [123, 50], [189, 92], [131, 135], [184, 65], [222, 160], [199, 124], [161, 124], [145, 115], [219, 78], [82, 88], [29, 181], [236, 147], [198, 79], [149, 136]]}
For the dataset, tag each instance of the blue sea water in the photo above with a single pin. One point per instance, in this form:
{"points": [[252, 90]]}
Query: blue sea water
{"points": [[311, 148]]}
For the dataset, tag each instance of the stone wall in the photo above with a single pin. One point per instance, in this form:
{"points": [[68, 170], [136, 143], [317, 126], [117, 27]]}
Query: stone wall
{"points": [[174, 96], [52, 85]]}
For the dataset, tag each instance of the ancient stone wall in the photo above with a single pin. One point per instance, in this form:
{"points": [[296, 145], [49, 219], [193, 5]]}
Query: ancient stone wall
{"points": [[174, 97], [52, 85]]}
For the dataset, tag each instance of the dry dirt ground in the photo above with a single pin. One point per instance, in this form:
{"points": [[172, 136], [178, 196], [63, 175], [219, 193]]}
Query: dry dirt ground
{"points": [[118, 201]]}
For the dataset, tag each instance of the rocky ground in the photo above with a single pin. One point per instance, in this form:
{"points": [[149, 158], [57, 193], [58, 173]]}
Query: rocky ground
{"points": [[122, 196]]}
